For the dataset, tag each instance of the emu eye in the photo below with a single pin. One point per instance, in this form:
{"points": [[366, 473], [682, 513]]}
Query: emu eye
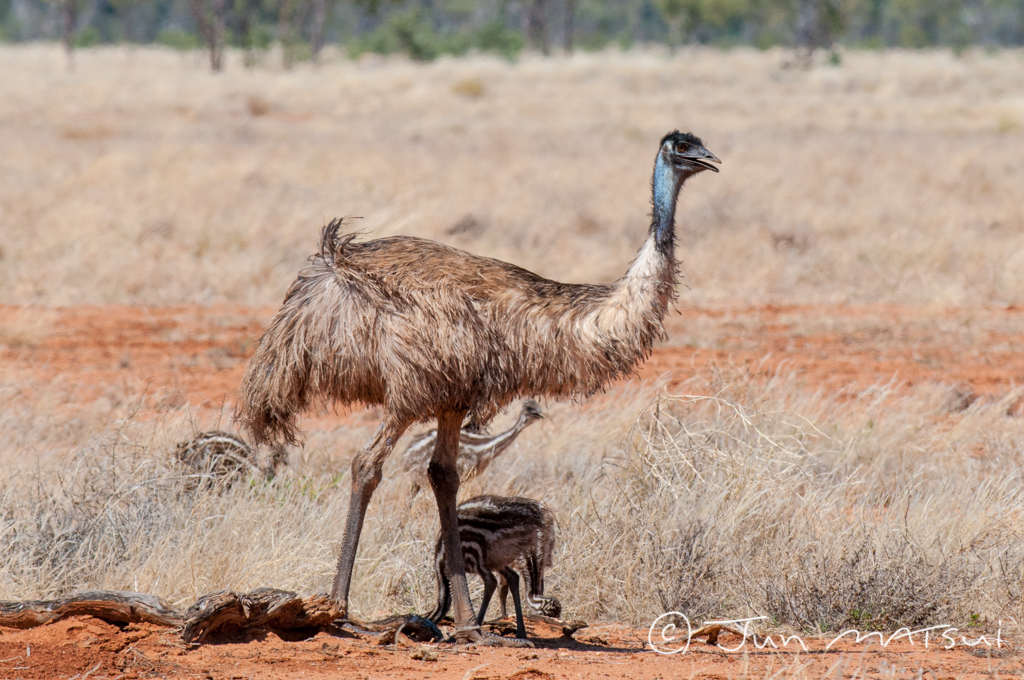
{"points": [[680, 148]]}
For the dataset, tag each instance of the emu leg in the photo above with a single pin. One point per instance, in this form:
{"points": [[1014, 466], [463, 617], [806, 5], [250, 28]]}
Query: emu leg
{"points": [[366, 475], [444, 478], [444, 594], [512, 579], [490, 583]]}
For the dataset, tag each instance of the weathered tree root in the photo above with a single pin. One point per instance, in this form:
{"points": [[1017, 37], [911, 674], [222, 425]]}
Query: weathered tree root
{"points": [[109, 606]]}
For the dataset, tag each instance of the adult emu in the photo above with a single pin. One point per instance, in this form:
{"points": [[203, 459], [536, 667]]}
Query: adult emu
{"points": [[428, 331]]}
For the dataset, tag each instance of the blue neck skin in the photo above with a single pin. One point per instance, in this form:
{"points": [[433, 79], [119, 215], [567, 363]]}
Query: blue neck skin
{"points": [[665, 185]]}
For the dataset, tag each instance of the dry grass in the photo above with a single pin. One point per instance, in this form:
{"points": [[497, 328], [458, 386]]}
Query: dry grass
{"points": [[898, 176], [25, 328], [876, 511]]}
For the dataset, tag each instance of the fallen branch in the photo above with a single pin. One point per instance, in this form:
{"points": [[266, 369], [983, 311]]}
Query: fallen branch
{"points": [[260, 608], [281, 610], [109, 606], [222, 611]]}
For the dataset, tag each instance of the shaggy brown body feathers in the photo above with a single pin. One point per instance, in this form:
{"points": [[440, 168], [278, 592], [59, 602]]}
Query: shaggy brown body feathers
{"points": [[416, 326]]}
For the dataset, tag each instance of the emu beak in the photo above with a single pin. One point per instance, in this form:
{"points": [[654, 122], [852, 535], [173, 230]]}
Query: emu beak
{"points": [[706, 160]]}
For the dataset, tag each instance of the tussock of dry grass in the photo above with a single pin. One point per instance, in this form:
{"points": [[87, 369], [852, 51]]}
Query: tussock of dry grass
{"points": [[762, 500]]}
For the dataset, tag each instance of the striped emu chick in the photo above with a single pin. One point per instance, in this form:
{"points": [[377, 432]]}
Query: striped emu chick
{"points": [[496, 532], [224, 457], [476, 451]]}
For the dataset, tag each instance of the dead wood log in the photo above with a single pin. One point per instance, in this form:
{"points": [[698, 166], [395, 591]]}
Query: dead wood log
{"points": [[106, 605], [260, 608], [219, 612], [280, 610]]}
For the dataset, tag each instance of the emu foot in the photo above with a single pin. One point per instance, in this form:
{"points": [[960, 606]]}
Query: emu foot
{"points": [[477, 638], [490, 640], [467, 636], [412, 626]]}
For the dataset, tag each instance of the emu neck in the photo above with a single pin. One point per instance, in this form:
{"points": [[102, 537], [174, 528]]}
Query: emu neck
{"points": [[501, 441], [631, 319], [665, 186]]}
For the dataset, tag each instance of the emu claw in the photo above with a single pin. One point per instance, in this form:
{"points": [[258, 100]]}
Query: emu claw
{"points": [[489, 640], [414, 627], [474, 637]]}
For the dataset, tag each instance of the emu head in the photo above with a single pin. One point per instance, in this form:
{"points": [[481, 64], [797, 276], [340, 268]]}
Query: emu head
{"points": [[531, 410], [685, 153]]}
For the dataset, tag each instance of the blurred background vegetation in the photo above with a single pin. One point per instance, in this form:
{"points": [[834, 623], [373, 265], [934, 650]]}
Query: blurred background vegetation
{"points": [[426, 29]]}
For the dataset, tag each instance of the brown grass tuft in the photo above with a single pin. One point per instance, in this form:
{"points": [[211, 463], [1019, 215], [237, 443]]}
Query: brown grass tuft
{"points": [[257, 106], [86, 133], [471, 88]]}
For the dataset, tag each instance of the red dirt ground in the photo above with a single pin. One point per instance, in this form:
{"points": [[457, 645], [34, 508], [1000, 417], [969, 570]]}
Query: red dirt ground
{"points": [[85, 647], [197, 354]]}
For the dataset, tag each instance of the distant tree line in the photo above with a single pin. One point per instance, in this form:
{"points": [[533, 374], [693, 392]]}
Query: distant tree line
{"points": [[425, 29]]}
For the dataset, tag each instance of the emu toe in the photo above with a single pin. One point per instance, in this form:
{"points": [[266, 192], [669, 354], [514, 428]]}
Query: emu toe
{"points": [[475, 637], [491, 640]]}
